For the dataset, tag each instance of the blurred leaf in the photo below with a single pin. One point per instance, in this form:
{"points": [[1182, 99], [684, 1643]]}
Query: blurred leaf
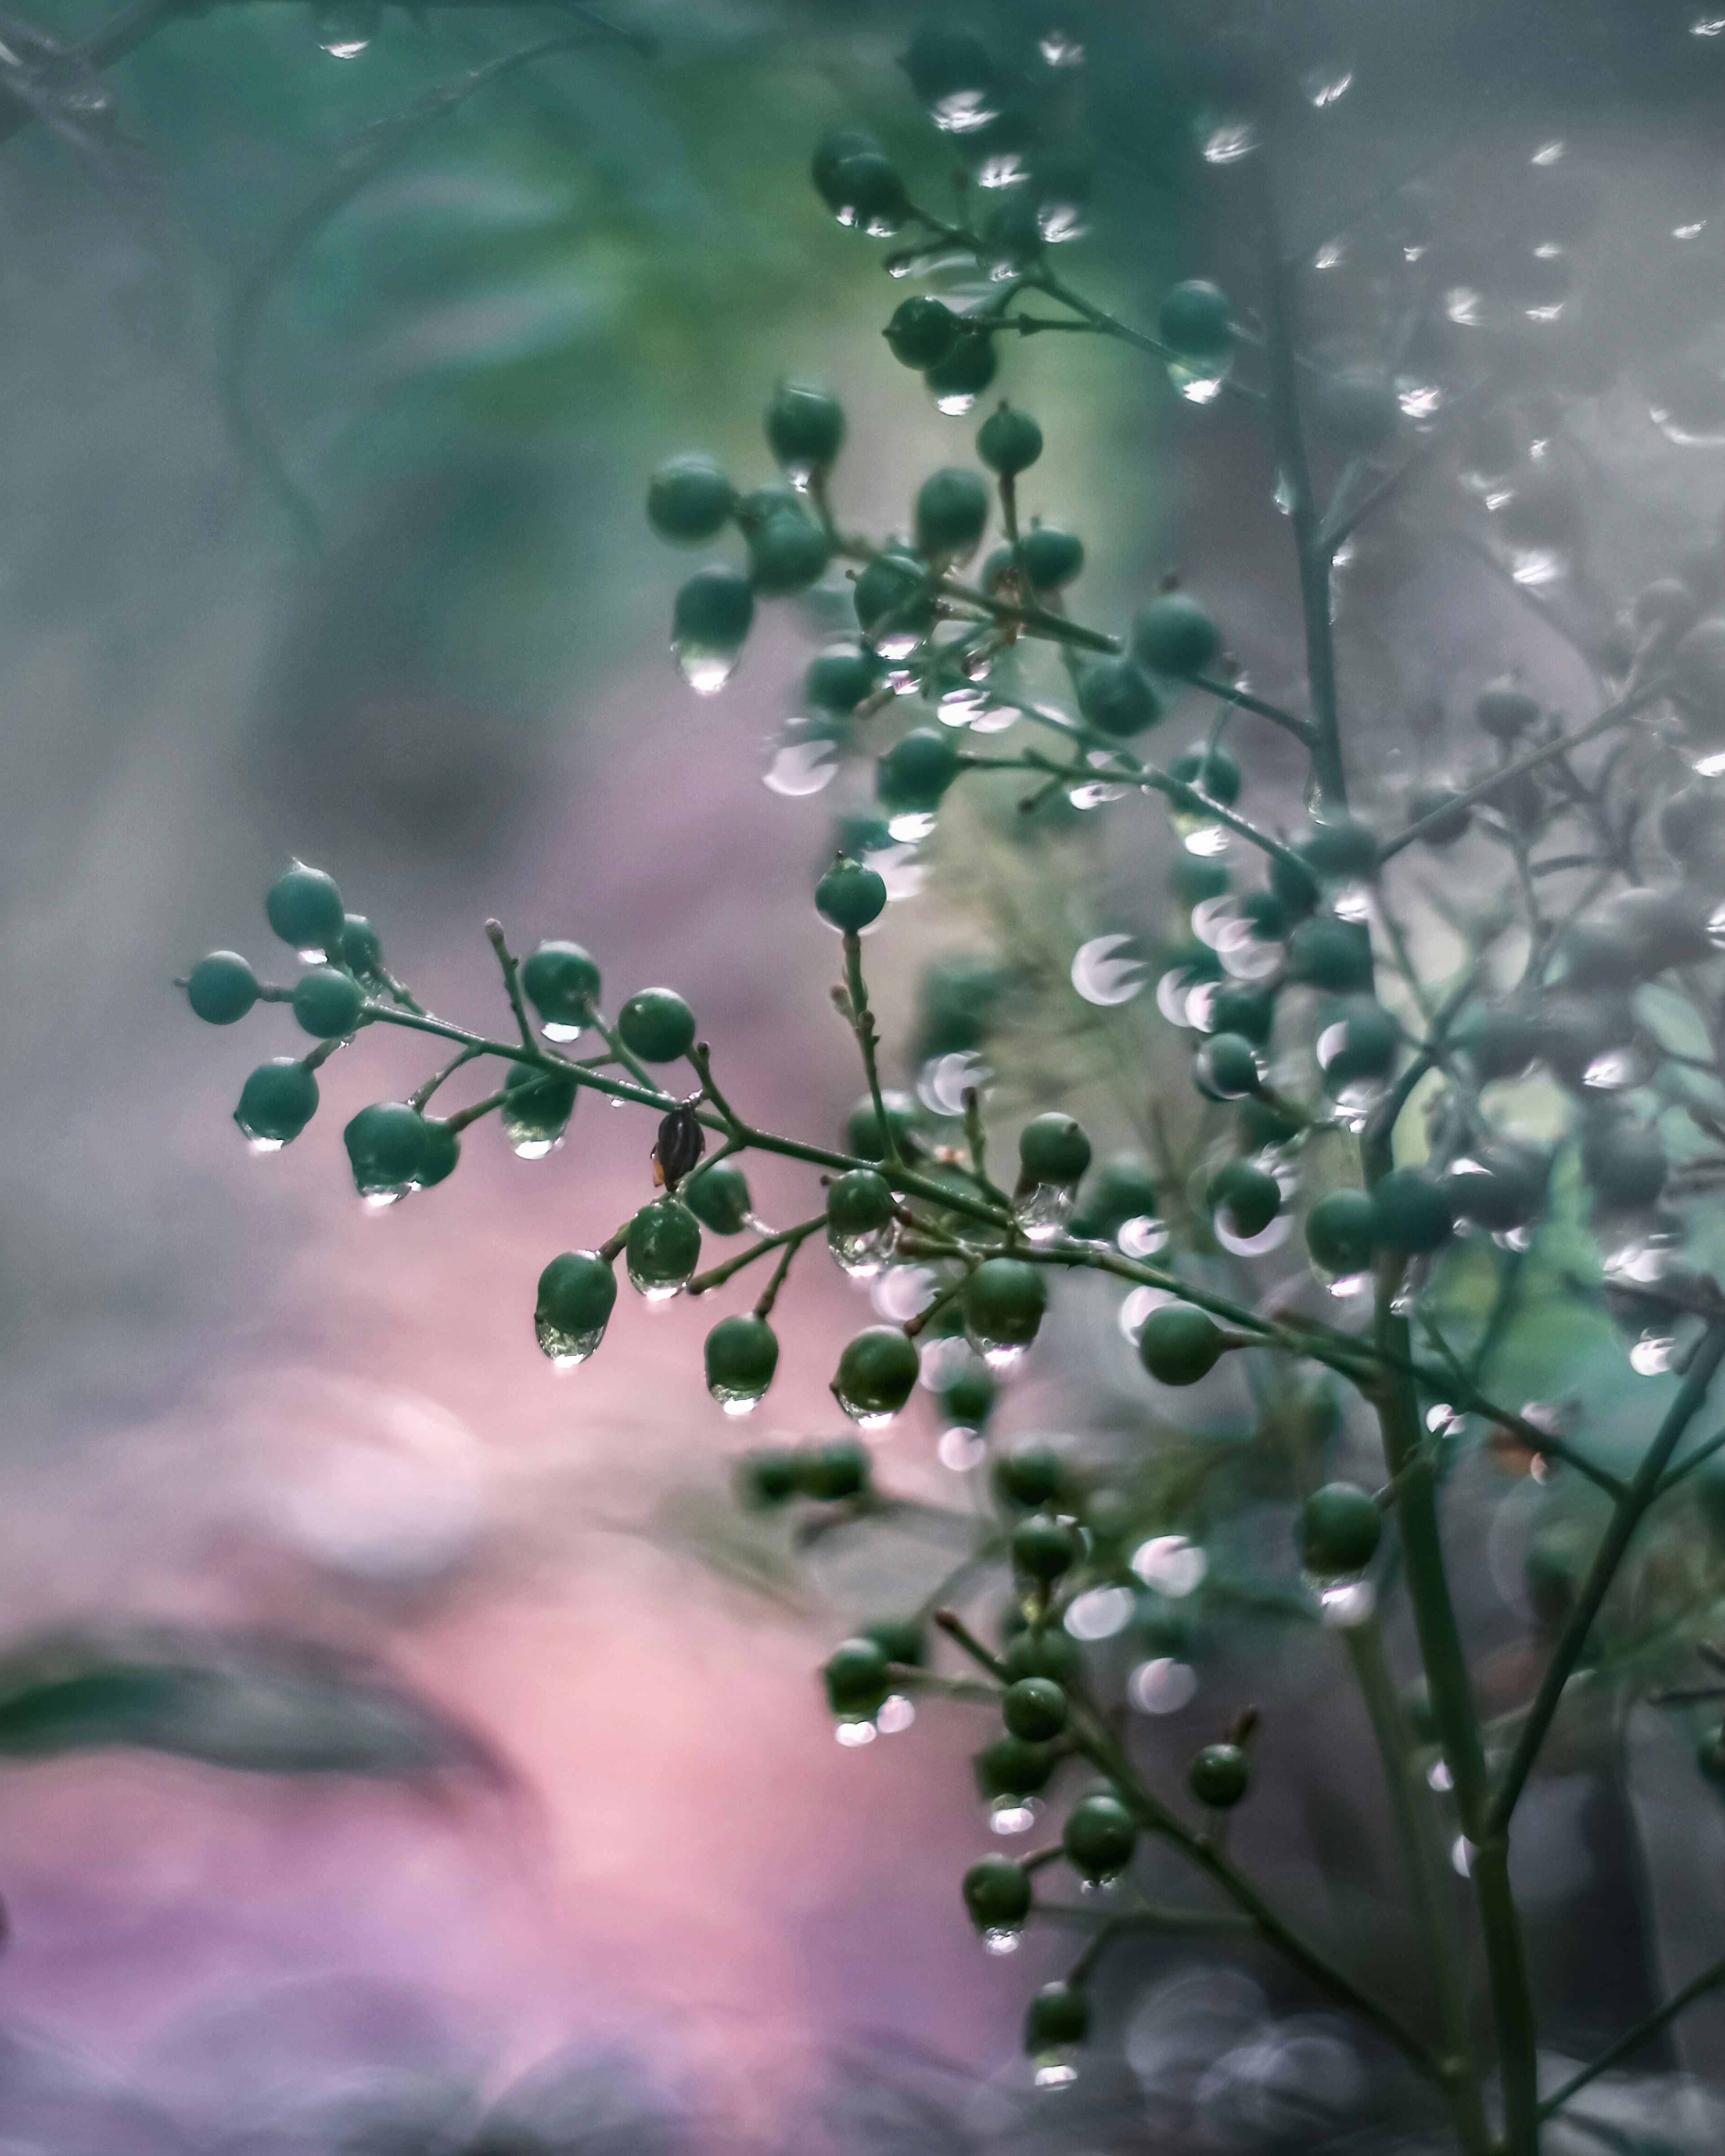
{"points": [[260, 1709]]}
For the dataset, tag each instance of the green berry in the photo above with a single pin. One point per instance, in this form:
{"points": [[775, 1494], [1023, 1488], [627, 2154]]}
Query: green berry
{"points": [[1194, 318], [1325, 953], [859, 1203], [1450, 817], [1008, 441], [1231, 1064], [1034, 1708], [830, 153], [916, 771], [1057, 2018], [969, 1399], [1412, 1211], [837, 681], [876, 1373], [892, 591], [537, 1108], [1053, 1148], [361, 947], [834, 1471], [1340, 1529], [952, 510], [1115, 698], [713, 611], [386, 1145], [849, 896], [1044, 1651], [220, 988], [1504, 708], [946, 59], [1625, 1164], [719, 1198], [656, 1025], [442, 1150], [1341, 849], [276, 1102], [741, 1355], [901, 1640], [863, 1137], [304, 909], [787, 553], [1119, 1189], [923, 332], [1044, 1549], [872, 195], [1218, 1776], [1293, 886], [956, 381], [1099, 1837], [1052, 557], [1005, 1299], [1249, 1198], [1500, 1187], [857, 1679], [1248, 1011], [997, 1893], [328, 1003], [805, 426], [1011, 1767], [561, 982], [689, 500], [1173, 636], [578, 1292], [663, 1248], [1179, 1344], [1499, 1044], [767, 1478], [1214, 774], [1029, 1475], [1359, 1042], [1342, 1232]]}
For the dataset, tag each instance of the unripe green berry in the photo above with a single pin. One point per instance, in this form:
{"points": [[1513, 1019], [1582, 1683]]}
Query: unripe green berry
{"points": [[1231, 1064], [892, 591], [956, 381], [1499, 1044], [923, 332], [1053, 1148], [837, 681], [1179, 1344], [1215, 775], [1413, 1213], [863, 1137], [442, 1150], [916, 771], [969, 1399], [741, 1355], [849, 896], [876, 1373], [997, 1893], [1034, 1708], [689, 500], [1052, 557], [578, 1292], [1099, 1837], [1043, 1549], [276, 1102], [361, 947], [1341, 849], [1057, 2018], [1450, 818], [830, 153], [1195, 877], [767, 1478], [952, 510], [718, 1197], [787, 553], [561, 982], [1500, 1187], [662, 1247], [857, 1679], [1173, 636], [1625, 1164], [1119, 1189], [1342, 1232], [901, 1640], [1004, 1300], [1360, 1041], [328, 1003], [1249, 1198], [386, 1145], [872, 195], [1325, 953], [1505, 709], [1340, 1529], [713, 610], [947, 59], [657, 1025], [1029, 1475], [1009, 441], [537, 1108], [1011, 1767], [1117, 699], [1044, 1650], [1194, 318], [805, 426], [1251, 1013], [833, 1471], [1218, 1776], [304, 909], [859, 1202], [220, 988]]}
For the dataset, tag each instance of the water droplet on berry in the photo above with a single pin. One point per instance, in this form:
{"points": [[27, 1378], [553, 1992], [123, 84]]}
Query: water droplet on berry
{"points": [[346, 29], [1324, 85], [961, 1450], [800, 768], [1045, 1211], [1109, 969], [962, 111], [850, 1734], [1250, 1246], [1439, 1777], [1137, 1306], [1342, 1604], [1001, 1939], [1223, 139], [896, 1715], [1162, 1687], [1198, 381], [1060, 48], [568, 1350], [263, 1145], [861, 1257], [1172, 1564], [1055, 2074], [706, 667], [912, 826], [1141, 1236], [1653, 1354], [534, 1149], [1013, 1815], [1100, 1612], [1461, 1855]]}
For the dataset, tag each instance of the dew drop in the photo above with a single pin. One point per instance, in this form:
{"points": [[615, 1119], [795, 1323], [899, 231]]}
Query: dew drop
{"points": [[1326, 85], [912, 827], [956, 403], [1141, 1236], [861, 1257], [1055, 2074], [1225, 138], [961, 1450], [1001, 1939], [961, 112], [1439, 1777], [264, 1145], [1014, 1815], [1059, 48], [1251, 1246], [706, 667], [999, 1355], [902, 1292], [1162, 1687], [568, 1350], [1045, 1211], [557, 1029], [1199, 382], [1137, 1306], [1653, 1354], [801, 767], [534, 1149], [1100, 1612], [1172, 1564], [1342, 1604], [1110, 969], [850, 1734], [1707, 26], [346, 29], [943, 1081], [1461, 1857], [896, 1715]]}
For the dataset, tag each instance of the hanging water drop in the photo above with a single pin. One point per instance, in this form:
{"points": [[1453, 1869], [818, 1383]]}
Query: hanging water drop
{"points": [[800, 768], [1109, 970], [346, 28], [706, 667]]}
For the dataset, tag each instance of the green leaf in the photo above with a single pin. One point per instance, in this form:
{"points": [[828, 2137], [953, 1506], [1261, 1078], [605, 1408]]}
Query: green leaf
{"points": [[260, 1709]]}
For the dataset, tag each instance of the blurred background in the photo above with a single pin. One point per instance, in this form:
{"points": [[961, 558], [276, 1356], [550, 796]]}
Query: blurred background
{"points": [[321, 533]]}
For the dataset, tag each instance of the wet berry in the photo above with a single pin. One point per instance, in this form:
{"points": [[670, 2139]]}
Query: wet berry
{"points": [[851, 896], [1034, 1708], [561, 982], [327, 1003], [1342, 1232], [304, 909], [1044, 1549], [1505, 709], [1057, 2018], [1117, 699], [1099, 1837], [966, 371], [1009, 441], [689, 500], [997, 1893], [718, 1197], [1179, 1344], [951, 511], [1173, 636], [1052, 557], [713, 610], [1218, 1776], [1412, 1211], [1247, 1198], [805, 426], [1053, 1148], [833, 1471], [1193, 318], [386, 1147], [656, 1025], [876, 1372], [787, 553], [220, 988], [741, 1354], [1004, 1300], [276, 1102], [915, 772], [857, 1679], [923, 332], [969, 1399], [1339, 1530]]}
